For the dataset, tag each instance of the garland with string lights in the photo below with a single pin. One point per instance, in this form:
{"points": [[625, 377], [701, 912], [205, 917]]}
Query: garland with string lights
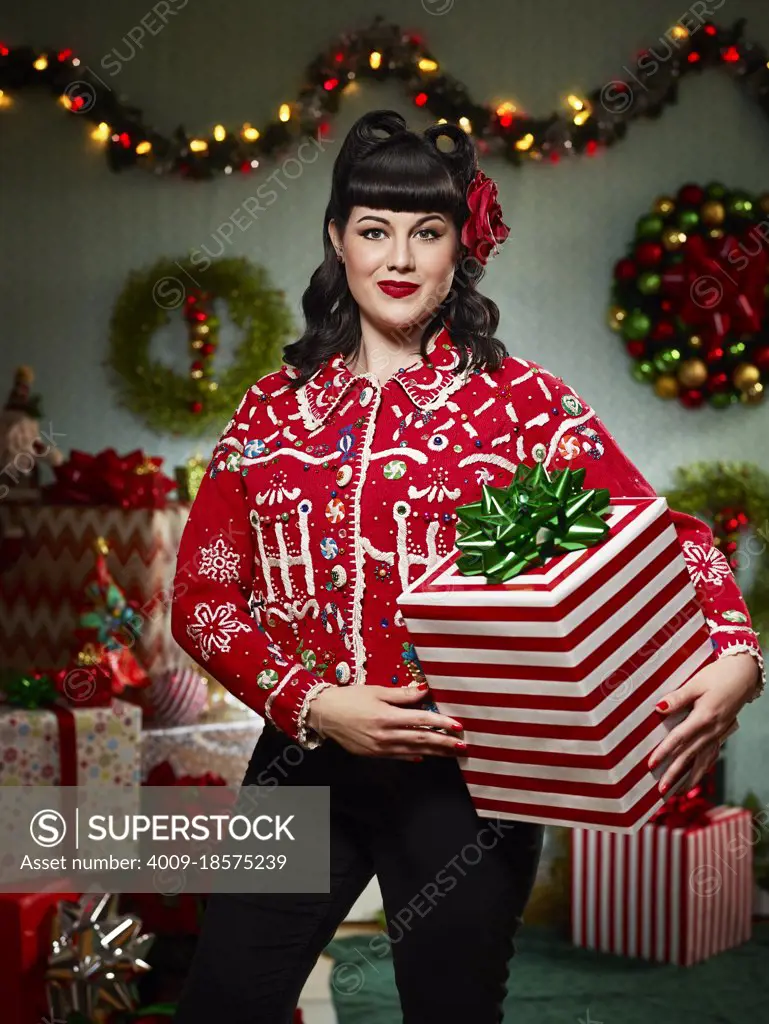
{"points": [[689, 298], [734, 496], [384, 51], [199, 403]]}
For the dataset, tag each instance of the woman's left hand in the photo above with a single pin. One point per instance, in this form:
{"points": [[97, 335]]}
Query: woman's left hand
{"points": [[716, 695]]}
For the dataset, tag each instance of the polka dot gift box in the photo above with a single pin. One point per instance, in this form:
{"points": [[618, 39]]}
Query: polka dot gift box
{"points": [[84, 746]]}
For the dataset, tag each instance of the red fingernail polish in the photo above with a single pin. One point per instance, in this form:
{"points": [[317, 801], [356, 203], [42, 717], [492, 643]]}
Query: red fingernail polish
{"points": [[460, 745], [663, 705], [663, 787]]}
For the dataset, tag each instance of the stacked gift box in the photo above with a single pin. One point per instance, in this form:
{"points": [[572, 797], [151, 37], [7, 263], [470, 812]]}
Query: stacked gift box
{"points": [[124, 501], [678, 891]]}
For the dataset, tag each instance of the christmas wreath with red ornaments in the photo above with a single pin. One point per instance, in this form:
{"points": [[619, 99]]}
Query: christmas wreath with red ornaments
{"points": [[689, 297]]}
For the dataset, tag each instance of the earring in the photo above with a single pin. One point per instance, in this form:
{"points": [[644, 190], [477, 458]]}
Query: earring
{"points": [[340, 257]]}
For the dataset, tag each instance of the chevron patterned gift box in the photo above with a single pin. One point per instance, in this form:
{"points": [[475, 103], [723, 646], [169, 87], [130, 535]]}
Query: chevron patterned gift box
{"points": [[41, 591], [555, 672]]}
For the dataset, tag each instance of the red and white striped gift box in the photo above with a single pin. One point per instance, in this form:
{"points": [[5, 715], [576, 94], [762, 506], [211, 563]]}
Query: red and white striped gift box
{"points": [[555, 673], [675, 895]]}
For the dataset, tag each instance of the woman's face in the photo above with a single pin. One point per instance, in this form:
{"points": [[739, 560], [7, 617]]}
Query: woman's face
{"points": [[383, 250]]}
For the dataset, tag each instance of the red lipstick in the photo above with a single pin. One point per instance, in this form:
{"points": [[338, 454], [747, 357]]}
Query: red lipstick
{"points": [[397, 289]]}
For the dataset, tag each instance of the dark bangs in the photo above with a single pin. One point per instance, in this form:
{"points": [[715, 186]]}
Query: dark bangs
{"points": [[404, 174]]}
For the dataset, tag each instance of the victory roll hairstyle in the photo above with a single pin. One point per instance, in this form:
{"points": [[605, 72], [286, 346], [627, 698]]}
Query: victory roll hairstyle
{"points": [[384, 165]]}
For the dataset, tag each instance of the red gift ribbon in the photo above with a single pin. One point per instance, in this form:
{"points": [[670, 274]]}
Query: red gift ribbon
{"points": [[719, 287], [684, 810], [125, 481], [65, 721]]}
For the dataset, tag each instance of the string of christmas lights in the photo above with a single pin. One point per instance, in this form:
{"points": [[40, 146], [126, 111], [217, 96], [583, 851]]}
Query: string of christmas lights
{"points": [[380, 52]]}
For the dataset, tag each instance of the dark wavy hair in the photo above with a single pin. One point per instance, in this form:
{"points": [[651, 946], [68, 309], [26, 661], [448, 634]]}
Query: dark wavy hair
{"points": [[384, 165]]}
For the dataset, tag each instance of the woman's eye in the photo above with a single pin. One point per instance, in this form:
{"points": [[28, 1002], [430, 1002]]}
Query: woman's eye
{"points": [[427, 234]]}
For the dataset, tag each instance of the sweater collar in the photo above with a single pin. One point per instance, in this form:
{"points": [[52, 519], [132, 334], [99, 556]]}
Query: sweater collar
{"points": [[427, 382]]}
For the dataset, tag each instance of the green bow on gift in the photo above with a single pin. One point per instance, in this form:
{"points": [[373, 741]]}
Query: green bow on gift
{"points": [[511, 530]]}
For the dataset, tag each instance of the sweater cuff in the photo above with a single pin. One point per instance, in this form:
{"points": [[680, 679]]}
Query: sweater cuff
{"points": [[306, 736], [737, 647], [287, 705]]}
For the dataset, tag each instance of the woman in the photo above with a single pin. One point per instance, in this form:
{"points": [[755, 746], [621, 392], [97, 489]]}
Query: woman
{"points": [[331, 490]]}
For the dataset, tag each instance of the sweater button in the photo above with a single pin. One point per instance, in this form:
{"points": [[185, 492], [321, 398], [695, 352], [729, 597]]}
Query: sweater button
{"points": [[344, 475], [366, 395], [342, 672], [338, 575]]}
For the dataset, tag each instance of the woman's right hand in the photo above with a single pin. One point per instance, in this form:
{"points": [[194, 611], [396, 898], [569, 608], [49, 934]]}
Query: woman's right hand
{"points": [[375, 721]]}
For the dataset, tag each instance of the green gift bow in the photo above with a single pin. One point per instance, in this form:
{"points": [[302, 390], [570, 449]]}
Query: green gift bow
{"points": [[511, 530]]}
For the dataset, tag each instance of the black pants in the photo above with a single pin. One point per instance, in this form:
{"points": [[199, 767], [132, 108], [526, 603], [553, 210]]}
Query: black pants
{"points": [[453, 884]]}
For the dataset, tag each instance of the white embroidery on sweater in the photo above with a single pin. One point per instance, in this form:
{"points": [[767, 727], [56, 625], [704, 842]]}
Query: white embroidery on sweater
{"points": [[403, 422], [214, 626], [303, 456], [544, 388], [412, 453], [278, 491], [491, 457], [220, 562], [333, 611], [296, 667], [294, 610], [717, 627], [408, 558], [359, 554], [284, 559], [436, 490], [382, 556], [264, 560], [706, 565], [304, 510]]}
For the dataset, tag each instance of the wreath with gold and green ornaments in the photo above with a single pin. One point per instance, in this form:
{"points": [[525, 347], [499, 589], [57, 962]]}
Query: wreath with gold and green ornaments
{"points": [[689, 298]]}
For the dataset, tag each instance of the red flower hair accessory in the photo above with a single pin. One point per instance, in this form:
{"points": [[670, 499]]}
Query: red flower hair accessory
{"points": [[484, 230]]}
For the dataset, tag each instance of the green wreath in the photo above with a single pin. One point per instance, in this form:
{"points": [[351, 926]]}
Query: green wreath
{"points": [[202, 402], [734, 496]]}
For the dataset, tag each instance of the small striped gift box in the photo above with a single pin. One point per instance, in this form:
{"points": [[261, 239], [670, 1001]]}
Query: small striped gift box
{"points": [[674, 895], [554, 673]]}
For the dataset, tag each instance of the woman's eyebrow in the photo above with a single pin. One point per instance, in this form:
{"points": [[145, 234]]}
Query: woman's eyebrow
{"points": [[384, 220]]}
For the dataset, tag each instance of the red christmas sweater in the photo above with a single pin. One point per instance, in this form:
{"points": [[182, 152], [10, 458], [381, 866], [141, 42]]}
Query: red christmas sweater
{"points": [[319, 506]]}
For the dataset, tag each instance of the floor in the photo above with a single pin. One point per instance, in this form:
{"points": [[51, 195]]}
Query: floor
{"points": [[315, 1001]]}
